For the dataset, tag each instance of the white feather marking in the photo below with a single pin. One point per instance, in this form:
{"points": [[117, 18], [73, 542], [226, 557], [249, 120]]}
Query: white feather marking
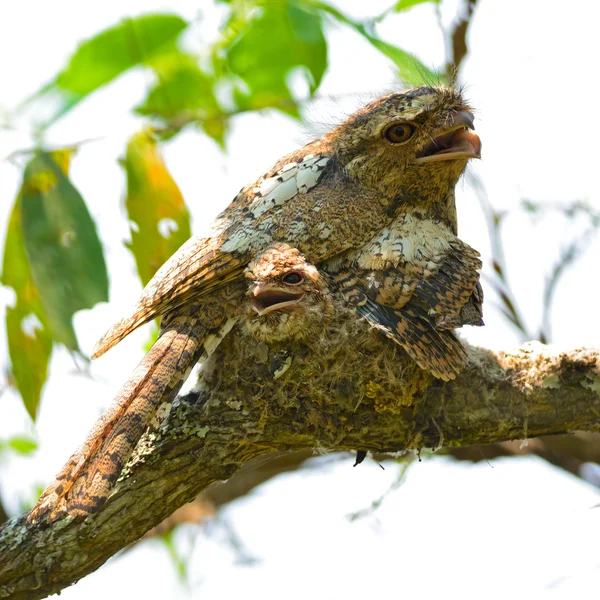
{"points": [[296, 228], [237, 240], [407, 248], [211, 343], [280, 193], [324, 230], [292, 179], [406, 239], [307, 178], [267, 186], [243, 239]]}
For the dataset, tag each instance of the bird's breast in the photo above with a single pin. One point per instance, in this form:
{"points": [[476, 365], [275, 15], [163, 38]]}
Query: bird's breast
{"points": [[408, 239]]}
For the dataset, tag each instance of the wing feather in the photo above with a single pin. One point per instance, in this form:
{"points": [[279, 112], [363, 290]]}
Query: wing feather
{"points": [[197, 269], [418, 304], [438, 351]]}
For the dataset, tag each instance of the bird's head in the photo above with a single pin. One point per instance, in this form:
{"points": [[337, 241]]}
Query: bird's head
{"points": [[411, 146], [288, 298]]}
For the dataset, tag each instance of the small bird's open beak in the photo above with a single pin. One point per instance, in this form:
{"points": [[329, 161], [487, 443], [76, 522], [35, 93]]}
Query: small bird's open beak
{"points": [[454, 142], [266, 299]]}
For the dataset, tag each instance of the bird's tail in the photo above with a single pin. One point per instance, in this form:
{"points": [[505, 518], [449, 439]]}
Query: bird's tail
{"points": [[83, 484]]}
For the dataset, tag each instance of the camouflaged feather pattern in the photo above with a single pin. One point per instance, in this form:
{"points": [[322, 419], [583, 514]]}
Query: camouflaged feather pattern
{"points": [[328, 200]]}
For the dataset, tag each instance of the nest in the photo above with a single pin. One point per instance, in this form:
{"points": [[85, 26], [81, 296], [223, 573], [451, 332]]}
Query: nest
{"points": [[328, 375]]}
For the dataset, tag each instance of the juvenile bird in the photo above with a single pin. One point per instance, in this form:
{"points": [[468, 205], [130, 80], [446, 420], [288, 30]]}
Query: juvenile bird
{"points": [[329, 199], [288, 297]]}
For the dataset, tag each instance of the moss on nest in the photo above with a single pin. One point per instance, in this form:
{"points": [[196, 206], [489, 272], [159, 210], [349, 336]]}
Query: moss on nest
{"points": [[316, 373]]}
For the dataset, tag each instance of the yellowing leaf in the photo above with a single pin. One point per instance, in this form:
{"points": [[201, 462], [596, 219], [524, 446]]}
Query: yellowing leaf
{"points": [[159, 218], [29, 339]]}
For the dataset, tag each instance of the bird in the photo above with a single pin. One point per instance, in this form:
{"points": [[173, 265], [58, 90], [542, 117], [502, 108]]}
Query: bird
{"points": [[295, 315], [292, 300], [402, 152], [417, 301], [289, 298]]}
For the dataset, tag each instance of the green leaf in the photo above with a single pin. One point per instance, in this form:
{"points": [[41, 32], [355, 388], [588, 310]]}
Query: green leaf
{"points": [[29, 338], [276, 39], [530, 206], [62, 245], [406, 4], [159, 218], [410, 69], [179, 562], [22, 444], [104, 57], [184, 93]]}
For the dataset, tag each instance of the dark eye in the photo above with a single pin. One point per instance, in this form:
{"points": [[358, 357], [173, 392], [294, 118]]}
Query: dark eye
{"points": [[398, 133], [293, 278]]}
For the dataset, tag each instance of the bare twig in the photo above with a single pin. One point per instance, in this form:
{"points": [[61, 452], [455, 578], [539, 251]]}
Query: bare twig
{"points": [[458, 39]]}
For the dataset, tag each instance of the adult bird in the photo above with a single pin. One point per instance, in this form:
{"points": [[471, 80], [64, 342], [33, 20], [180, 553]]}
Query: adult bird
{"points": [[328, 199]]}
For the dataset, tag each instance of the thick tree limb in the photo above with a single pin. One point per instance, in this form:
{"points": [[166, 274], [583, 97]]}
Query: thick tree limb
{"points": [[375, 400]]}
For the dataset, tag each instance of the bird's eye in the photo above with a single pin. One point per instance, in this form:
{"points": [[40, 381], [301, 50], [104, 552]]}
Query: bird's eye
{"points": [[293, 278], [398, 133]]}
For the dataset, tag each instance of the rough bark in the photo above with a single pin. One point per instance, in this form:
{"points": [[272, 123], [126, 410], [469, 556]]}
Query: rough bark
{"points": [[211, 435]]}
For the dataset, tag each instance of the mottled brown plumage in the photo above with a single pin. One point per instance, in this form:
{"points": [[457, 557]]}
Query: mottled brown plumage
{"points": [[289, 376], [84, 482], [400, 154], [349, 184], [288, 298], [415, 281]]}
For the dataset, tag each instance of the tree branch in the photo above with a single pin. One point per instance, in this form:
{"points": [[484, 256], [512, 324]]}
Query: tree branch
{"points": [[458, 40], [567, 452], [332, 397]]}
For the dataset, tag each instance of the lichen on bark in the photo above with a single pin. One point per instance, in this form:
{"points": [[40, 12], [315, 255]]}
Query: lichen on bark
{"points": [[351, 389]]}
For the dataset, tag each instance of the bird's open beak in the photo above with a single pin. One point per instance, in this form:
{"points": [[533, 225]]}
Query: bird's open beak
{"points": [[266, 299], [454, 142]]}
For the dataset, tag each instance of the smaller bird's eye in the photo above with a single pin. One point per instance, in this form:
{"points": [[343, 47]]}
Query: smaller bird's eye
{"points": [[293, 278], [398, 133]]}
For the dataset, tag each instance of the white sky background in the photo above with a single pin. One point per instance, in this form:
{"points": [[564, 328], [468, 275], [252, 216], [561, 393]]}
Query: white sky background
{"points": [[515, 527]]}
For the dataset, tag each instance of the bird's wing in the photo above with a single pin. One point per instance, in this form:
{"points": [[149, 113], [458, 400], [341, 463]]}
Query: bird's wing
{"points": [[437, 351], [454, 287], [472, 312], [198, 268], [203, 265], [417, 304]]}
